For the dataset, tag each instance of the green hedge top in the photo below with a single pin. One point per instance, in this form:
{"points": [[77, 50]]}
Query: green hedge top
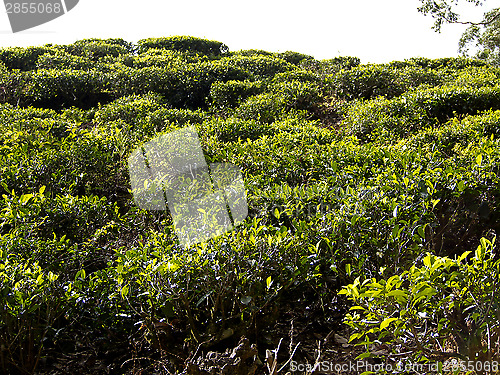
{"points": [[445, 62], [22, 58], [184, 44]]}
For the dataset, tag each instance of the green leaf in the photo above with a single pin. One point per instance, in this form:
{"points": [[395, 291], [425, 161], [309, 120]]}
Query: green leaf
{"points": [[435, 202], [421, 231], [365, 355], [357, 308], [387, 321], [269, 282], [428, 261], [354, 291], [124, 291], [463, 256], [348, 269], [395, 231], [396, 293], [25, 198], [479, 159]]}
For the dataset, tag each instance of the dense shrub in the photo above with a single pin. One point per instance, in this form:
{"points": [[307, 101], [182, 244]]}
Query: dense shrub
{"points": [[33, 300], [232, 129], [325, 207], [418, 109], [231, 93], [452, 63], [130, 109], [296, 75], [165, 116], [298, 95], [330, 66], [11, 86], [482, 76], [136, 118], [98, 48], [61, 60], [294, 58], [451, 297], [61, 156], [75, 218], [54, 88], [251, 52], [184, 44], [265, 108], [161, 58], [10, 116], [185, 86], [22, 58], [283, 97], [370, 81], [455, 135], [258, 65]]}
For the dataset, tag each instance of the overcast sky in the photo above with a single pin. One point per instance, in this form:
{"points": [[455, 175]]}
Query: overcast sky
{"points": [[375, 31]]}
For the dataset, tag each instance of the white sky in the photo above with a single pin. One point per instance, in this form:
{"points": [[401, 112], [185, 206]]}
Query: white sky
{"points": [[375, 31]]}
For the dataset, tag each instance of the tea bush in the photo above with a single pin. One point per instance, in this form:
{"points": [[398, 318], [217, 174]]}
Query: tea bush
{"points": [[23, 58], [484, 76], [294, 58], [449, 63], [296, 75], [418, 109], [451, 298], [161, 58], [348, 169], [283, 97], [330, 66], [367, 82], [96, 49], [251, 52], [184, 44], [186, 86], [62, 157], [259, 66], [12, 84], [32, 303], [130, 109], [64, 61], [231, 93], [263, 107], [55, 88]]}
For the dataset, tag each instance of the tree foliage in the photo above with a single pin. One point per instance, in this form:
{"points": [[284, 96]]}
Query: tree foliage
{"points": [[445, 11], [484, 37]]}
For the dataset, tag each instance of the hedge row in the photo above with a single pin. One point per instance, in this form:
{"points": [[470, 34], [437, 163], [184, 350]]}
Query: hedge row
{"points": [[451, 63], [418, 109], [370, 81], [281, 98], [94, 49], [184, 85], [184, 44], [231, 93]]}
